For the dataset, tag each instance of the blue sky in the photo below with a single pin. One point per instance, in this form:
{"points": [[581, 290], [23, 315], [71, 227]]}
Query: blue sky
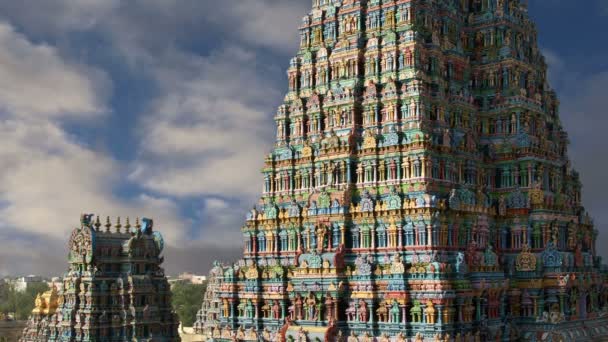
{"points": [[163, 108]]}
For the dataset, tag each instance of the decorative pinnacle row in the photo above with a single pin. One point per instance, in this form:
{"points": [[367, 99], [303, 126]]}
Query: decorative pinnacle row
{"points": [[118, 227]]}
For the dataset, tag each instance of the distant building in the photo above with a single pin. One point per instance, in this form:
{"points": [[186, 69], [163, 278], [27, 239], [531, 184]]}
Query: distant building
{"points": [[188, 278], [22, 284], [193, 278]]}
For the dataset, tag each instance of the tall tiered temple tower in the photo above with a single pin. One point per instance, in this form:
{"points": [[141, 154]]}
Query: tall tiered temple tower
{"points": [[115, 289], [419, 188]]}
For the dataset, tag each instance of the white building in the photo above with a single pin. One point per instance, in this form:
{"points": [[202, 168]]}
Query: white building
{"points": [[188, 278], [193, 278], [21, 284]]}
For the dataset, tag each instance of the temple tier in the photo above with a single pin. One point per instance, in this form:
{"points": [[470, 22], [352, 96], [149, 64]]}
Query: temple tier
{"points": [[419, 189], [115, 289]]}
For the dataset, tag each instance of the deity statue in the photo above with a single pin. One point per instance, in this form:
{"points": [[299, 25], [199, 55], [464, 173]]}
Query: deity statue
{"points": [[311, 304], [276, 310], [395, 312], [351, 311], [362, 311]]}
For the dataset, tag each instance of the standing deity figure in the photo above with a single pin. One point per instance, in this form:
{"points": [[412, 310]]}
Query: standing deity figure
{"points": [[362, 311], [351, 312], [329, 308], [298, 309], [276, 310], [394, 312], [311, 303], [430, 312]]}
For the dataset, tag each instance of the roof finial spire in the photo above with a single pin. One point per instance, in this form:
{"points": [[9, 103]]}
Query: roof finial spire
{"points": [[118, 226], [97, 224]]}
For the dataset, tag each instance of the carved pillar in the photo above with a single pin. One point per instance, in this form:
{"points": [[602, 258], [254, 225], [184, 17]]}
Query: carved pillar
{"points": [[373, 237], [423, 165], [300, 241], [439, 314], [335, 307], [459, 311], [423, 311]]}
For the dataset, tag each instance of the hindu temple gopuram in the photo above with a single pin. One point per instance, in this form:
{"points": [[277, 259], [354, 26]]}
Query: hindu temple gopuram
{"points": [[419, 189], [114, 290]]}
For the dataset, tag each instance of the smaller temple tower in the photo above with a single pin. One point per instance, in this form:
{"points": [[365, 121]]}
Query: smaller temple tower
{"points": [[209, 315], [114, 290]]}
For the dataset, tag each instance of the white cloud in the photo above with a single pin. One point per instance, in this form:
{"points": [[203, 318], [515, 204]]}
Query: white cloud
{"points": [[47, 180], [55, 17], [48, 177], [208, 133], [272, 23], [35, 81]]}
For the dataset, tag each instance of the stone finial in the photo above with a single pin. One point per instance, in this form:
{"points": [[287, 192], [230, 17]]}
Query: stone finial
{"points": [[108, 224], [127, 226], [97, 223], [137, 225], [118, 226]]}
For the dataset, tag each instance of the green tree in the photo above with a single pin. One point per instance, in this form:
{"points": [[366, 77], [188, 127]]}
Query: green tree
{"points": [[187, 300], [21, 303]]}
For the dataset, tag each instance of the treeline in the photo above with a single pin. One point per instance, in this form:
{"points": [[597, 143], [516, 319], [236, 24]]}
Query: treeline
{"points": [[187, 300], [20, 304]]}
